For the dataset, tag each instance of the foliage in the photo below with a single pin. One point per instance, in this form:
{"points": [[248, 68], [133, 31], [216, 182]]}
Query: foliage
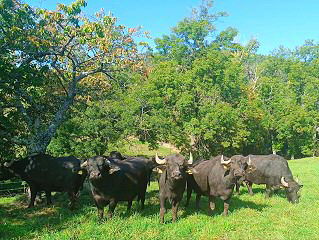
{"points": [[88, 86], [49, 54]]}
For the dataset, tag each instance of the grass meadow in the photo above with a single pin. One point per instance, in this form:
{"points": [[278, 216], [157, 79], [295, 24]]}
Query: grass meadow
{"points": [[251, 217]]}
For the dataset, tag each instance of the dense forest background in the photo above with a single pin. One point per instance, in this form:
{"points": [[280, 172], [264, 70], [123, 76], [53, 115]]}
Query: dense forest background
{"points": [[71, 84]]}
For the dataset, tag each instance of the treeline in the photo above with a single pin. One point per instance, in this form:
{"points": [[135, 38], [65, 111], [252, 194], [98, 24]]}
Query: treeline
{"points": [[204, 94]]}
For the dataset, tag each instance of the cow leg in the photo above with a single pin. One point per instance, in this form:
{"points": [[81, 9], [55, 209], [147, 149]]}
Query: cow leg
{"points": [[212, 204], [72, 197], [100, 210], [48, 197], [189, 194], [112, 206], [175, 205], [250, 188], [237, 187], [142, 197], [268, 191], [100, 206], [275, 189], [129, 205], [198, 196], [226, 206], [162, 209], [143, 202], [34, 192]]}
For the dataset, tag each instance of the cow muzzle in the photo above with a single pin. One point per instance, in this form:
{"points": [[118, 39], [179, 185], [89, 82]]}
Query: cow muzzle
{"points": [[238, 173], [177, 175], [95, 175]]}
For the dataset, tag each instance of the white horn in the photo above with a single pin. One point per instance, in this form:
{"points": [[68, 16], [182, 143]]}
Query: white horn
{"points": [[190, 161], [224, 162], [249, 161], [159, 161], [283, 182], [84, 164]]}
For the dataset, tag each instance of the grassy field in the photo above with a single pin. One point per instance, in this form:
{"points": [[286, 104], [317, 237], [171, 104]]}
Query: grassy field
{"points": [[251, 217]]}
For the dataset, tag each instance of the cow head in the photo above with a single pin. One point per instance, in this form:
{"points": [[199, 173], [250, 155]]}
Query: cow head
{"points": [[237, 167], [292, 189], [242, 165], [248, 166], [99, 166], [5, 172], [174, 166]]}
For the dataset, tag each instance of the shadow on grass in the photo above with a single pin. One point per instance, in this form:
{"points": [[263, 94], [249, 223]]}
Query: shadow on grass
{"points": [[261, 189], [235, 204], [19, 222]]}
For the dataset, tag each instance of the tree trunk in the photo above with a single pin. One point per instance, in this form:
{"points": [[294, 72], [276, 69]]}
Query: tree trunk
{"points": [[40, 140]]}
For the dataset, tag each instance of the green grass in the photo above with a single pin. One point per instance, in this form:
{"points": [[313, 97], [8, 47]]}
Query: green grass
{"points": [[251, 217]]}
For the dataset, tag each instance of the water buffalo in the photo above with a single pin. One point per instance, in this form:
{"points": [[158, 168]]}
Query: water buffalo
{"points": [[172, 181], [43, 172], [114, 180], [150, 163], [272, 170], [215, 178]]}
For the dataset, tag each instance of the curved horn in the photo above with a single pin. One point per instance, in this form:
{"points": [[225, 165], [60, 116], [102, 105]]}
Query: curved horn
{"points": [[159, 161], [296, 179], [283, 182], [224, 162], [249, 161], [84, 164], [190, 161]]}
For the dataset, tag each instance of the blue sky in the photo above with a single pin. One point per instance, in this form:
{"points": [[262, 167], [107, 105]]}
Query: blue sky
{"points": [[271, 22]]}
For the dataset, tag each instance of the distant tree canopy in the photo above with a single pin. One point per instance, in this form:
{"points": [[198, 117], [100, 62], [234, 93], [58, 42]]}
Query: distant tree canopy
{"points": [[71, 85]]}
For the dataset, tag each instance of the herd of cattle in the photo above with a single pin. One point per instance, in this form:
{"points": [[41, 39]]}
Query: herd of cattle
{"points": [[116, 178]]}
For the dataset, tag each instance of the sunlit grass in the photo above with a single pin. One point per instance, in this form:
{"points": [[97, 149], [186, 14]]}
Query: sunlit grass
{"points": [[251, 217]]}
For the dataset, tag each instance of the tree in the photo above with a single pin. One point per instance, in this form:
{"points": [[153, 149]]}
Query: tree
{"points": [[190, 35], [50, 54]]}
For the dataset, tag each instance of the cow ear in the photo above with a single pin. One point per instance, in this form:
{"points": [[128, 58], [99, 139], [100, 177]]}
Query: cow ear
{"points": [[114, 169], [82, 171], [226, 166], [157, 169], [190, 171], [251, 168], [6, 164]]}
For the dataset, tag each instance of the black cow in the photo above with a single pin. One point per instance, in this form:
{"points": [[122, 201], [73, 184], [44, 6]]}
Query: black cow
{"points": [[43, 172], [114, 180], [241, 160], [214, 178], [150, 163], [272, 170], [172, 181]]}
